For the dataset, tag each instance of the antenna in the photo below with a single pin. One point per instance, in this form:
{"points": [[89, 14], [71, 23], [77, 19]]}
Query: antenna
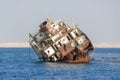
{"points": [[72, 20]]}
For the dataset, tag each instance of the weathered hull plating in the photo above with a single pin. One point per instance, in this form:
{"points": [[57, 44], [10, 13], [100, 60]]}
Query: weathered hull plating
{"points": [[57, 41]]}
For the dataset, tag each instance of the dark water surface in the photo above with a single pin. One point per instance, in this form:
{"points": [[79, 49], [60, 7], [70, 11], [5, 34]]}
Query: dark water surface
{"points": [[23, 64]]}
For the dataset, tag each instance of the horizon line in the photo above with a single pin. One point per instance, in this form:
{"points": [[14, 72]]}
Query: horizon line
{"points": [[26, 44]]}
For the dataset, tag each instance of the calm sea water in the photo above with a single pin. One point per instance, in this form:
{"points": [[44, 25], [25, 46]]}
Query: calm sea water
{"points": [[23, 64]]}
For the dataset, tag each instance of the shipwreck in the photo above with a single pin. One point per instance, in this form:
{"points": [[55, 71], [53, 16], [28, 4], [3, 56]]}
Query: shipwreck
{"points": [[57, 41]]}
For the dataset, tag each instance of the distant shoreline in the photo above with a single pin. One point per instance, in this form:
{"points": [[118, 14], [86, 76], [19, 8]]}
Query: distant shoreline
{"points": [[14, 45], [106, 45], [26, 45]]}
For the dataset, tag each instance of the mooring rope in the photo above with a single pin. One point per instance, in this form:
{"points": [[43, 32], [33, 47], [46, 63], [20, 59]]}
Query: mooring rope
{"points": [[30, 57]]}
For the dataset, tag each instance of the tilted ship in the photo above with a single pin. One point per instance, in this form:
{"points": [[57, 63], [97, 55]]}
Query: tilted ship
{"points": [[58, 41]]}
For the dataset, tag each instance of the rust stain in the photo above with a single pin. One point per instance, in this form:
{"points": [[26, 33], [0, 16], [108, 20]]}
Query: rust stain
{"points": [[58, 41]]}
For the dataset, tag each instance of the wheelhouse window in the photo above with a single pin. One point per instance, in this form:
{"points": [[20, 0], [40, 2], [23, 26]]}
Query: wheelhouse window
{"points": [[60, 44], [68, 38], [76, 34]]}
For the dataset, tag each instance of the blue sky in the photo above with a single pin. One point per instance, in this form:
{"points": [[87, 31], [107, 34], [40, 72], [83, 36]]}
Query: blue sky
{"points": [[99, 19]]}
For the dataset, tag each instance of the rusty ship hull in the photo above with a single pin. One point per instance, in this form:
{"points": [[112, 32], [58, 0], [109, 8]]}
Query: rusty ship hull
{"points": [[57, 41]]}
